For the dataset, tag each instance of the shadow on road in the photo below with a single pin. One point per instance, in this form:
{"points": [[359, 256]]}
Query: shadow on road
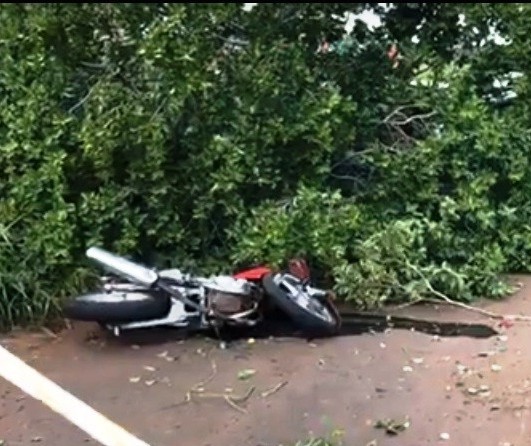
{"points": [[278, 325]]}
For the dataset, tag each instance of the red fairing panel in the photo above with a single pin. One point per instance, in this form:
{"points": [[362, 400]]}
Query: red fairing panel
{"points": [[253, 273]]}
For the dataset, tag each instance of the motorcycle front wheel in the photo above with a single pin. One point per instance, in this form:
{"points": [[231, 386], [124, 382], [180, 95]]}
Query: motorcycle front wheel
{"points": [[317, 317]]}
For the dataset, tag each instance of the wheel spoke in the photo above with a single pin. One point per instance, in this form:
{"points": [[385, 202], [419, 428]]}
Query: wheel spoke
{"points": [[302, 296]]}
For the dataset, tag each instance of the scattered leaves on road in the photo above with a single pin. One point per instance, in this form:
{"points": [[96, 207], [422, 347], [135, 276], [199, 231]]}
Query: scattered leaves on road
{"points": [[461, 368], [392, 427], [134, 379], [496, 367], [444, 436], [472, 391], [246, 374]]}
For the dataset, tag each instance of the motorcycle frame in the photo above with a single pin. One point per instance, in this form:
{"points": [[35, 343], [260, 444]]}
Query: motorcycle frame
{"points": [[179, 289], [178, 316]]}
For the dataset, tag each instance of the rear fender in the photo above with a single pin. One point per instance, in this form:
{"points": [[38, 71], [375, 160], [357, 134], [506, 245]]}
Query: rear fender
{"points": [[253, 274]]}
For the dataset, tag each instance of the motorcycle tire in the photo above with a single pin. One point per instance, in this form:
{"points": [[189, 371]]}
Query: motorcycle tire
{"points": [[107, 308], [304, 319]]}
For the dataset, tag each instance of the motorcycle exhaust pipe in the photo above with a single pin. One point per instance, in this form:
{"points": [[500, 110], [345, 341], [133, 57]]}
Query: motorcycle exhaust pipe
{"points": [[123, 267]]}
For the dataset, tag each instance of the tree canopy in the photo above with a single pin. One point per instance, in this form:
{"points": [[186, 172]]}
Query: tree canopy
{"points": [[396, 158]]}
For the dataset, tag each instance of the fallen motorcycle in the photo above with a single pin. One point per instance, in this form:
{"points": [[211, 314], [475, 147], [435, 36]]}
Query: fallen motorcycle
{"points": [[133, 296]]}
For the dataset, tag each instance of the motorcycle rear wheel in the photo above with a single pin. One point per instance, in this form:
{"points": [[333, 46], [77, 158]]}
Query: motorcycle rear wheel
{"points": [[115, 307], [324, 323]]}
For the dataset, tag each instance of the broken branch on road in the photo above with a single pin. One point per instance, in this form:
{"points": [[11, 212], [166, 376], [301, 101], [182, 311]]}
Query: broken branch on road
{"points": [[232, 400], [443, 298], [274, 389], [203, 383]]}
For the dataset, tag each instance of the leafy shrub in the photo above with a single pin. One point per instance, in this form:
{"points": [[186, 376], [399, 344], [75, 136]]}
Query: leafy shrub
{"points": [[200, 135]]}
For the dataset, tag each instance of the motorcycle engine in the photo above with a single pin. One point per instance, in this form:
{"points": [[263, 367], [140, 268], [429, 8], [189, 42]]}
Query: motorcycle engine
{"points": [[227, 295]]}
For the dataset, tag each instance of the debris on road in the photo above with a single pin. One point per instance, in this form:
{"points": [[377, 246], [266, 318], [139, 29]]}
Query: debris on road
{"points": [[245, 374], [232, 400], [393, 427], [273, 390], [472, 391], [486, 354]]}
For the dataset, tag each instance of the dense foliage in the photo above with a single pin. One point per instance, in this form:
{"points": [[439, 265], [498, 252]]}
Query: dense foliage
{"points": [[211, 135]]}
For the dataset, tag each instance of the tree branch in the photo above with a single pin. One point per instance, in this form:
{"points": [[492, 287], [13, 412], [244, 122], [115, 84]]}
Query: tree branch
{"points": [[442, 298]]}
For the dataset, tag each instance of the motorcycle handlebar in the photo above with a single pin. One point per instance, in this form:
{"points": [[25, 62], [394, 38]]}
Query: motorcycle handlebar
{"points": [[123, 267]]}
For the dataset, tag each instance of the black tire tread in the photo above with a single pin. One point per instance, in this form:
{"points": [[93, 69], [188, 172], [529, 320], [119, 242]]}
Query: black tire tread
{"points": [[87, 308]]}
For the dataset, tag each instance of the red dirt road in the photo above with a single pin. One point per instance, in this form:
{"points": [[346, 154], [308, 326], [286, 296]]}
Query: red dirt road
{"points": [[473, 391]]}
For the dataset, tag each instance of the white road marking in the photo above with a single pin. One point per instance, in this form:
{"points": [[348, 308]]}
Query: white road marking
{"points": [[108, 433]]}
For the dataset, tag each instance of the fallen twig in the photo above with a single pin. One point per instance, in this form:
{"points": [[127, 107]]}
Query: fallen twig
{"points": [[232, 401], [199, 391], [209, 379], [273, 390], [490, 314], [238, 399], [197, 388], [232, 404], [443, 298], [229, 399], [243, 398]]}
